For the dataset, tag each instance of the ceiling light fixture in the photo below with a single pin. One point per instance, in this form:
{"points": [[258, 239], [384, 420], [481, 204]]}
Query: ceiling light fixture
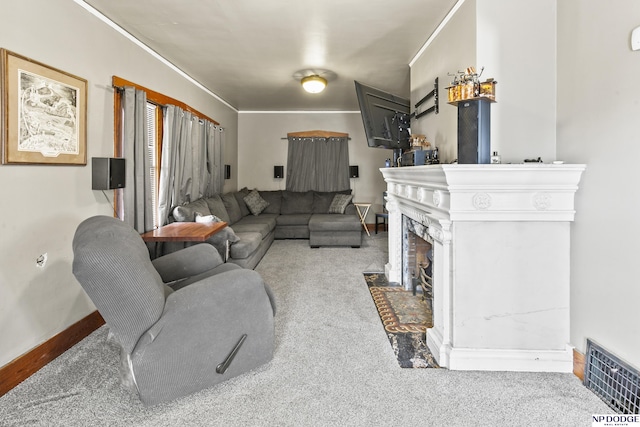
{"points": [[314, 83]]}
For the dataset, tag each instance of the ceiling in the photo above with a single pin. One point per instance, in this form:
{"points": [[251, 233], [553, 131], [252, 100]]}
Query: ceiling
{"points": [[252, 53]]}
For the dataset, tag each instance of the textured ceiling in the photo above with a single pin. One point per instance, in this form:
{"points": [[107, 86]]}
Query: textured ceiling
{"points": [[251, 53]]}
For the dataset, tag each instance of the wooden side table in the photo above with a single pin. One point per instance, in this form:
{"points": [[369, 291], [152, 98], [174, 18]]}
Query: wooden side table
{"points": [[363, 210], [182, 232]]}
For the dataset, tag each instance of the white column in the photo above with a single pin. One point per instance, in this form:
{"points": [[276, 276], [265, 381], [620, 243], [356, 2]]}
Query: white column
{"points": [[440, 336], [393, 269]]}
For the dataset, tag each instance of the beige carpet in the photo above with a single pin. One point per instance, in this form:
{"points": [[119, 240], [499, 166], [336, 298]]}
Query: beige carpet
{"points": [[333, 366]]}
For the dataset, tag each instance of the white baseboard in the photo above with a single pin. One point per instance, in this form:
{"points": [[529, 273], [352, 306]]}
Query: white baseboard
{"points": [[464, 359], [478, 359], [439, 351]]}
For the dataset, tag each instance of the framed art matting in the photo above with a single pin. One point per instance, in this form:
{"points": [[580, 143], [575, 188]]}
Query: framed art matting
{"points": [[44, 113]]}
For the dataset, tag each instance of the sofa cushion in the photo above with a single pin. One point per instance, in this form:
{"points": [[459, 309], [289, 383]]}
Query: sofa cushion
{"points": [[216, 206], [232, 207], [322, 200], [246, 227], [296, 202], [274, 198], [240, 195], [295, 219], [248, 243], [339, 203], [187, 212], [263, 218], [334, 222], [255, 202]]}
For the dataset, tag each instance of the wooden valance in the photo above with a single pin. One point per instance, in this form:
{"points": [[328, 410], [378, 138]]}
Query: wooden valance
{"points": [[158, 98], [317, 134]]}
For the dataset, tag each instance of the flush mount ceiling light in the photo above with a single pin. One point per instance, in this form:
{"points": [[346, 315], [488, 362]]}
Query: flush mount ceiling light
{"points": [[313, 83]]}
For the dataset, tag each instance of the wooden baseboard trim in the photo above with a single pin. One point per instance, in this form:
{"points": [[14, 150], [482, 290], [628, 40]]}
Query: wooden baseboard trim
{"points": [[29, 363], [578, 364]]}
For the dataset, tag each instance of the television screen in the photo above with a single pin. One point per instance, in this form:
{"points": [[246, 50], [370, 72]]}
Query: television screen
{"points": [[385, 116]]}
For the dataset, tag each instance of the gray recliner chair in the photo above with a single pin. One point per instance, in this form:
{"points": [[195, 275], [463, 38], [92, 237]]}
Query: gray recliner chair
{"points": [[211, 322]]}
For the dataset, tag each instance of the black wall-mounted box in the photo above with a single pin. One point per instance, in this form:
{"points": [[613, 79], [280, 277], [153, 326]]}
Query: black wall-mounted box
{"points": [[474, 132], [107, 173]]}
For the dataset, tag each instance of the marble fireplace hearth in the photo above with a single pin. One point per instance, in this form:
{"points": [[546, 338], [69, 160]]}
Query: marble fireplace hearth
{"points": [[501, 241]]}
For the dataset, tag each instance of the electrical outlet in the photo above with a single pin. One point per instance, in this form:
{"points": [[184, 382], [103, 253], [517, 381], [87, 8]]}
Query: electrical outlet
{"points": [[41, 261]]}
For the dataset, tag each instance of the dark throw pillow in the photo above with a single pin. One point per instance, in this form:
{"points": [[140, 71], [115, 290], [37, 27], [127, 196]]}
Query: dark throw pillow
{"points": [[339, 203], [255, 203]]}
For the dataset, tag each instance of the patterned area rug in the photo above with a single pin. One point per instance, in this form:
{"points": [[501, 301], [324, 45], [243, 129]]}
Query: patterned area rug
{"points": [[405, 318]]}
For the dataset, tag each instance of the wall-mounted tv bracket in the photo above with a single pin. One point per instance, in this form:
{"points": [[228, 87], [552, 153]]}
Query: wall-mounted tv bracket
{"points": [[433, 94]]}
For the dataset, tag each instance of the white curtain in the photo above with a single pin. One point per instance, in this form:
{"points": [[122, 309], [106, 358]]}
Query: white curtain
{"points": [[191, 157], [318, 163], [137, 196]]}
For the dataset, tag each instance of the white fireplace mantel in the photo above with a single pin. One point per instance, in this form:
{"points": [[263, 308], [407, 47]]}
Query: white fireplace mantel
{"points": [[501, 260]]}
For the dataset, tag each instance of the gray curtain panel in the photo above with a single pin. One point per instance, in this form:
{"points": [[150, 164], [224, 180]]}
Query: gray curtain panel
{"points": [[191, 160], [214, 137], [137, 197], [320, 164]]}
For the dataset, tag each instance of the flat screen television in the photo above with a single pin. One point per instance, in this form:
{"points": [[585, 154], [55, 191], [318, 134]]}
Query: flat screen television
{"points": [[385, 116]]}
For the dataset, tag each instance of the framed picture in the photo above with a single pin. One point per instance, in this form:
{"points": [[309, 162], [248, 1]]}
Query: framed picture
{"points": [[43, 113]]}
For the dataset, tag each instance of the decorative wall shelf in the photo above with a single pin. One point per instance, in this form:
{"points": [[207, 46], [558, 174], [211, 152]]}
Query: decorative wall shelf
{"points": [[472, 90], [481, 98]]}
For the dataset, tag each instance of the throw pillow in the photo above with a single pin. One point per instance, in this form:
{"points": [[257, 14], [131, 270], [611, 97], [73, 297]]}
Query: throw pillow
{"points": [[187, 212], [206, 218], [339, 203], [322, 200], [255, 203]]}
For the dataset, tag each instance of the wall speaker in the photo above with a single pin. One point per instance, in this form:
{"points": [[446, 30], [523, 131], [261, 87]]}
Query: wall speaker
{"points": [[107, 173], [474, 137], [353, 172], [227, 171], [278, 171]]}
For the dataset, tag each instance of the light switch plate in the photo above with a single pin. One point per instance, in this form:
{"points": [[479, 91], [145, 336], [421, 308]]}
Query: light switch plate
{"points": [[635, 39]]}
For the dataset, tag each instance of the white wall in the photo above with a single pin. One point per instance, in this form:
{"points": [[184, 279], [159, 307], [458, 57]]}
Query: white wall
{"points": [[515, 43], [454, 49], [40, 206], [261, 147], [598, 112]]}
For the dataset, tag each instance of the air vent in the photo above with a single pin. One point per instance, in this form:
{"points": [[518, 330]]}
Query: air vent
{"points": [[614, 381]]}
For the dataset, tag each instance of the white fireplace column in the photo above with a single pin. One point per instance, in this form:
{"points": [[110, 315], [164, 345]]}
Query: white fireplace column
{"points": [[393, 269], [501, 260]]}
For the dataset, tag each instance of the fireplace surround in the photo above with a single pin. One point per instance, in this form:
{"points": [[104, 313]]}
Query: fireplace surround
{"points": [[501, 241]]}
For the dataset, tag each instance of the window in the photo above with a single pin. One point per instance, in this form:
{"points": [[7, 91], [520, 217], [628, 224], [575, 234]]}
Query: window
{"points": [[155, 110], [153, 114]]}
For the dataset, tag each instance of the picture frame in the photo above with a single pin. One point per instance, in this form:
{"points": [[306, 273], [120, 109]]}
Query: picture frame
{"points": [[43, 112]]}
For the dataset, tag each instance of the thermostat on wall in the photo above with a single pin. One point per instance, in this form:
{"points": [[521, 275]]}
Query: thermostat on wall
{"points": [[635, 39]]}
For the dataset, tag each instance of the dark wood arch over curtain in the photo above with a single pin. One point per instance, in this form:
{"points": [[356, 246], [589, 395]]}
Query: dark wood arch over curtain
{"points": [[318, 160]]}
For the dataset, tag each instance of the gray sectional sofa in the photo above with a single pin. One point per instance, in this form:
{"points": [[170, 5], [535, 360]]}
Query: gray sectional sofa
{"points": [[256, 218]]}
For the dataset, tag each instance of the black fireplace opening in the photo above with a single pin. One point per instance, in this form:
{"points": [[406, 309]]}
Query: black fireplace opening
{"points": [[417, 258]]}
